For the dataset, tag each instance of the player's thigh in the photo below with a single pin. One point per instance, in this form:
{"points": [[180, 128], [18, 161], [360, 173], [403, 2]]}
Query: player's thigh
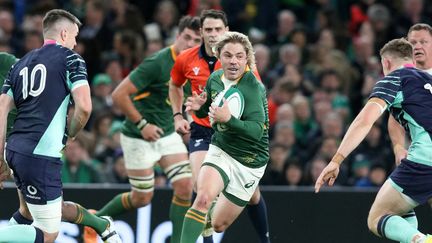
{"points": [[255, 197], [390, 201], [196, 160], [139, 155], [224, 213]]}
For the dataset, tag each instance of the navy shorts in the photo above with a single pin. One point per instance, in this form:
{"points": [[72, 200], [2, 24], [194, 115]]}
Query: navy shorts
{"points": [[38, 179], [200, 138], [414, 179]]}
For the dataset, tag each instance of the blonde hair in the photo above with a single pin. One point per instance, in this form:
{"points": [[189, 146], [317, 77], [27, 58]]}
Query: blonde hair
{"points": [[236, 37]]}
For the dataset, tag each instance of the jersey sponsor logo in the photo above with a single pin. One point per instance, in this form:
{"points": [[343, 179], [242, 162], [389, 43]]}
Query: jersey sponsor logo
{"points": [[196, 70], [198, 142], [249, 184], [428, 86], [32, 190]]}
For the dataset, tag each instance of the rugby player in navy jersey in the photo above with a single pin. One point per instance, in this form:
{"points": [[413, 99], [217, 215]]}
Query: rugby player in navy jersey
{"points": [[407, 93], [40, 86]]}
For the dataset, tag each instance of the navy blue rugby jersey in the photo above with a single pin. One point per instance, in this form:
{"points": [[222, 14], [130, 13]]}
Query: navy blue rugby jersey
{"points": [[408, 93], [41, 84]]}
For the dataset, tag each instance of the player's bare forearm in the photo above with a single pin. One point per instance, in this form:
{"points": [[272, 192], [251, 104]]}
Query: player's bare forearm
{"points": [[78, 121], [83, 108], [359, 128], [176, 97], [121, 99]]}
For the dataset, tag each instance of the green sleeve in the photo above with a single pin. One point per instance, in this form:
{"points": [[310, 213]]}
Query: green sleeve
{"points": [[145, 73], [252, 124]]}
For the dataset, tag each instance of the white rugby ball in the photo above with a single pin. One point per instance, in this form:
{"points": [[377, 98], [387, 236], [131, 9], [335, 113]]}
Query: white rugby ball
{"points": [[235, 101]]}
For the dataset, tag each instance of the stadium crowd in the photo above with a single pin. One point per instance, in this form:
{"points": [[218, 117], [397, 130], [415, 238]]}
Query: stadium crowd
{"points": [[317, 58]]}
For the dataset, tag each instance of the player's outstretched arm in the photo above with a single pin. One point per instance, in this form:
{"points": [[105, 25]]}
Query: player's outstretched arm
{"points": [[357, 131], [83, 108]]}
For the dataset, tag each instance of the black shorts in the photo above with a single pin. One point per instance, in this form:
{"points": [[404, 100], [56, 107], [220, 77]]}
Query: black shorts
{"points": [[414, 179], [200, 138], [38, 179]]}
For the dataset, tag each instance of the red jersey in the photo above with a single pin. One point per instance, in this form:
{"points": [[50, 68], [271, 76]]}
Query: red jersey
{"points": [[195, 66]]}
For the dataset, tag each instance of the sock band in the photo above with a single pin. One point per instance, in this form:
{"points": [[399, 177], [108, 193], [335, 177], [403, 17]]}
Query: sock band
{"points": [[39, 236], [181, 202], [126, 200], [80, 214], [20, 219], [381, 224], [196, 215]]}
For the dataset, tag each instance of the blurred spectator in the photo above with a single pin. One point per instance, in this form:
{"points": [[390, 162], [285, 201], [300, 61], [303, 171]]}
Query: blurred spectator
{"points": [[293, 173], [32, 40], [262, 57], [282, 93], [330, 82], [313, 169], [128, 46], [101, 88], [117, 172], [76, 7], [77, 166], [9, 32], [164, 26], [125, 16], [275, 169], [95, 27], [304, 123], [376, 177], [101, 128], [286, 22], [412, 13]]}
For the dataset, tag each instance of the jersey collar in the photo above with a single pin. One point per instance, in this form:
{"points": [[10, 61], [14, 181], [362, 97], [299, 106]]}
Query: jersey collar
{"points": [[49, 42]]}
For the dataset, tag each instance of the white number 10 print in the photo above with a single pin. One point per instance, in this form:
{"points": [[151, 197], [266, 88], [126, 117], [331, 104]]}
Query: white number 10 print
{"points": [[26, 87]]}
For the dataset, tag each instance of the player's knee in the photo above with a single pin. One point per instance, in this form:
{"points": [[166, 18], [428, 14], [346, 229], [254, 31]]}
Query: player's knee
{"points": [[183, 188], [202, 201], [142, 190], [141, 199], [372, 222], [219, 226], [50, 237]]}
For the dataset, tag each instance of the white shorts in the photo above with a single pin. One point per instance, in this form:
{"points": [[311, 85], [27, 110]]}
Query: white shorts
{"points": [[240, 181], [141, 154]]}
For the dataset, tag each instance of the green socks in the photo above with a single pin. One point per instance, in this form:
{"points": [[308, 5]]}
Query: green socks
{"points": [[117, 205], [178, 209], [193, 225], [88, 219]]}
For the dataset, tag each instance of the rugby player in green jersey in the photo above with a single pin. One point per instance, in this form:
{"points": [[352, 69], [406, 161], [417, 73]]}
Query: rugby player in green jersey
{"points": [[148, 134], [6, 62], [238, 154]]}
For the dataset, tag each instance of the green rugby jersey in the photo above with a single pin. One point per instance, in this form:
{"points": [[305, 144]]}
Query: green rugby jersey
{"points": [[6, 62], [246, 139], [151, 78]]}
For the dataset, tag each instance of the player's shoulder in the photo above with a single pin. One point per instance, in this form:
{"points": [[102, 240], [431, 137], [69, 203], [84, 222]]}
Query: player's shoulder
{"points": [[188, 54], [252, 79], [70, 54], [6, 58]]}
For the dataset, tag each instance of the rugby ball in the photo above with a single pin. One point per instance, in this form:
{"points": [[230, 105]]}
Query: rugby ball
{"points": [[235, 101]]}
